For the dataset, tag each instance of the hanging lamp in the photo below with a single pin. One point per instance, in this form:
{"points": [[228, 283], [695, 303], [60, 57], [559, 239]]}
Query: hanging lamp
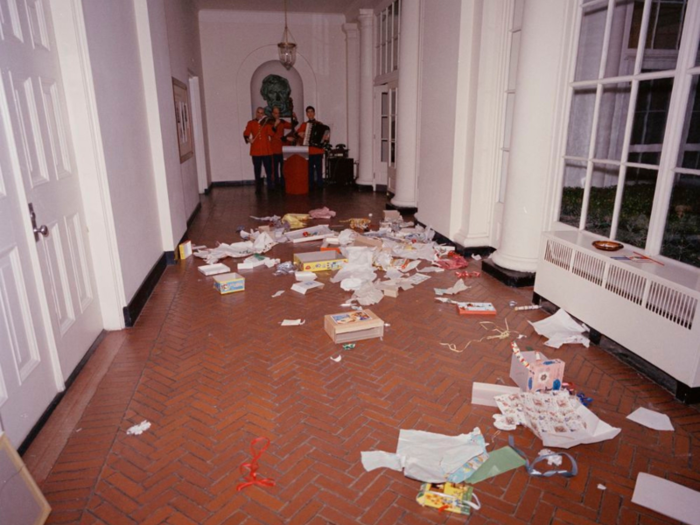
{"points": [[287, 48]]}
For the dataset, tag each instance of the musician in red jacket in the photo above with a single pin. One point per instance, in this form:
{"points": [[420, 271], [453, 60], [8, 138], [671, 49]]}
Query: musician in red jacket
{"points": [[315, 153], [257, 133], [278, 127]]}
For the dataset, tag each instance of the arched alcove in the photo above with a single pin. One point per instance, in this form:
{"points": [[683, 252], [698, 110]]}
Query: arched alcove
{"points": [[274, 67]]}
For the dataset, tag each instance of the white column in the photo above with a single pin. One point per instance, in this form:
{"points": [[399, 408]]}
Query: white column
{"points": [[407, 109], [539, 85], [352, 37], [366, 175]]}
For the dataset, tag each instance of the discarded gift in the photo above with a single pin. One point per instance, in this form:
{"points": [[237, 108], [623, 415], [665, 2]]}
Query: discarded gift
{"points": [[533, 372], [319, 261], [353, 326], [305, 286], [229, 283], [476, 309]]}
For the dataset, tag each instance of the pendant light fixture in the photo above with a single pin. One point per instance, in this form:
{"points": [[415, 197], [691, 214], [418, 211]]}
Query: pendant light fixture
{"points": [[287, 48]]}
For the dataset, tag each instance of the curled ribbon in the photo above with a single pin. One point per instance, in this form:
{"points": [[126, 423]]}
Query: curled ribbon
{"points": [[250, 469], [465, 275]]}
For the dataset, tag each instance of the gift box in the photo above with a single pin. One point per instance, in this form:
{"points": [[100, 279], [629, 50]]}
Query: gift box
{"points": [[229, 283], [319, 261], [353, 326], [447, 496], [533, 372]]}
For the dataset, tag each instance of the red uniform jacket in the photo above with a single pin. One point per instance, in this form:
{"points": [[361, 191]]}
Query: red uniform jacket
{"points": [[312, 150], [276, 136], [260, 145]]}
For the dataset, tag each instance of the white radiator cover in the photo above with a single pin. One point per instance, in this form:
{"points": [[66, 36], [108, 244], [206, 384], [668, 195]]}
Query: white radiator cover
{"points": [[650, 309]]}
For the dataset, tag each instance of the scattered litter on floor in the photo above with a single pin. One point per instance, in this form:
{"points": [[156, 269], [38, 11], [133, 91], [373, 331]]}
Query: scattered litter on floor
{"points": [[651, 419], [484, 393], [602, 487], [449, 497], [467, 275], [353, 326], [305, 286], [557, 418], [277, 293], [315, 233], [457, 287], [250, 469], [213, 269], [322, 213], [667, 498], [337, 359], [431, 269], [452, 262], [561, 329], [553, 459], [139, 429], [348, 346], [476, 256], [533, 372], [296, 220], [529, 307], [293, 322], [227, 283], [305, 276], [360, 224], [284, 268]]}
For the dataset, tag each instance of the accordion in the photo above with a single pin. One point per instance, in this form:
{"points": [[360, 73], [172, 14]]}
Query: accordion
{"points": [[314, 134]]}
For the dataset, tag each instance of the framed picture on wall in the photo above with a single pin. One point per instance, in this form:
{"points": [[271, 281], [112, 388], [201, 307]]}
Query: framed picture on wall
{"points": [[183, 120]]}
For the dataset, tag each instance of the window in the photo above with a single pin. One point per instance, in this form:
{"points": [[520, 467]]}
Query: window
{"points": [[387, 41], [631, 169]]}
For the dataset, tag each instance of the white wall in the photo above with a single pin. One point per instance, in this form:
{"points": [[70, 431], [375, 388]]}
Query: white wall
{"points": [[234, 44], [185, 60], [114, 57]]}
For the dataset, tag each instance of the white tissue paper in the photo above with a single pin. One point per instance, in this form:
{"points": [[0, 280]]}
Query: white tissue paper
{"points": [[561, 329]]}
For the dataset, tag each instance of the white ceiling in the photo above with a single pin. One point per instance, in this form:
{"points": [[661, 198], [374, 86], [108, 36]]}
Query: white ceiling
{"points": [[298, 6]]}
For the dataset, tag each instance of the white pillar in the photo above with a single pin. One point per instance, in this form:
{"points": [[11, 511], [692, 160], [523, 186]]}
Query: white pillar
{"points": [[353, 74], [366, 175], [407, 109], [538, 83]]}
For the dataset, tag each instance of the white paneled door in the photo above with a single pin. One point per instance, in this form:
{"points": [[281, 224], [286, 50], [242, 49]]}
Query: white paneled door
{"points": [[53, 267]]}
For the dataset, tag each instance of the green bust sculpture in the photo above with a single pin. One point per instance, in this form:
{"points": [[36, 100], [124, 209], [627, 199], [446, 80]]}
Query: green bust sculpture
{"points": [[275, 90]]}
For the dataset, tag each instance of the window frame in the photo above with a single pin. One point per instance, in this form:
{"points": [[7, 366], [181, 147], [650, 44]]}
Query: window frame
{"points": [[667, 168]]}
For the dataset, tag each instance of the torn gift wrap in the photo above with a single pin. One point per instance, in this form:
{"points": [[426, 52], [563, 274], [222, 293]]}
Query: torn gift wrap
{"points": [[561, 329]]}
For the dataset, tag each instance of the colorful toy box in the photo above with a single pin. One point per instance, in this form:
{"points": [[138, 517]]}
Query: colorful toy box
{"points": [[447, 496], [229, 283], [533, 374], [319, 261], [353, 326]]}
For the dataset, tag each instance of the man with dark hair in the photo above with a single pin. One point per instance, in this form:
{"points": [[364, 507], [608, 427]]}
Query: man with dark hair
{"points": [[315, 153], [257, 133]]}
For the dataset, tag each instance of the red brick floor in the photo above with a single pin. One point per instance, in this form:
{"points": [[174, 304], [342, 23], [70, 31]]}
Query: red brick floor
{"points": [[213, 372]]}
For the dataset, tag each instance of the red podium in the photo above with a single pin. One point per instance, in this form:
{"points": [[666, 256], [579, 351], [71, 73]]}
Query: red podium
{"points": [[296, 169]]}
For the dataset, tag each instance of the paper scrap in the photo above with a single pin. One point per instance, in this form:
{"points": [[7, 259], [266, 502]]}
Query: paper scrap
{"points": [[668, 498], [277, 294], [553, 459], [337, 359], [602, 487], [457, 287], [293, 322], [476, 256], [502, 422], [139, 429], [431, 269], [651, 419], [500, 461], [378, 459], [561, 329]]}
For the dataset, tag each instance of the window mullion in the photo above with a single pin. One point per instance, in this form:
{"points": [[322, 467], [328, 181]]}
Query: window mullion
{"points": [[641, 44], [674, 127], [606, 38], [634, 90], [591, 154]]}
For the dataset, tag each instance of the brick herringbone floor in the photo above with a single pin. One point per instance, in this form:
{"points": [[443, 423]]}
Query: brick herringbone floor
{"points": [[213, 372]]}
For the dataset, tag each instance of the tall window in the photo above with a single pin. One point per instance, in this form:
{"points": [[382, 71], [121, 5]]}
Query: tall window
{"points": [[387, 41], [631, 168]]}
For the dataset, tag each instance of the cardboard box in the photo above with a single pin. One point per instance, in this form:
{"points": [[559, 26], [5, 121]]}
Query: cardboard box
{"points": [[319, 261], [370, 242], [476, 309], [353, 326], [304, 286], [452, 497], [185, 250], [545, 374], [229, 283], [214, 269]]}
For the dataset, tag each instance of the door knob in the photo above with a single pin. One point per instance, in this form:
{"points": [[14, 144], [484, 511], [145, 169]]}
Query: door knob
{"points": [[38, 230]]}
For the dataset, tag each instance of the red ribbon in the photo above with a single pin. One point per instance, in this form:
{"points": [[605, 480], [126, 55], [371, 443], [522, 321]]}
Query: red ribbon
{"points": [[464, 275], [250, 470]]}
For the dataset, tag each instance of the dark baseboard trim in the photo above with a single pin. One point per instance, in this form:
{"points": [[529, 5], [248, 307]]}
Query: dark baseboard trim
{"points": [[408, 210], [511, 278], [380, 188], [681, 391], [363, 187], [133, 309], [34, 432], [229, 183], [207, 190], [466, 251]]}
